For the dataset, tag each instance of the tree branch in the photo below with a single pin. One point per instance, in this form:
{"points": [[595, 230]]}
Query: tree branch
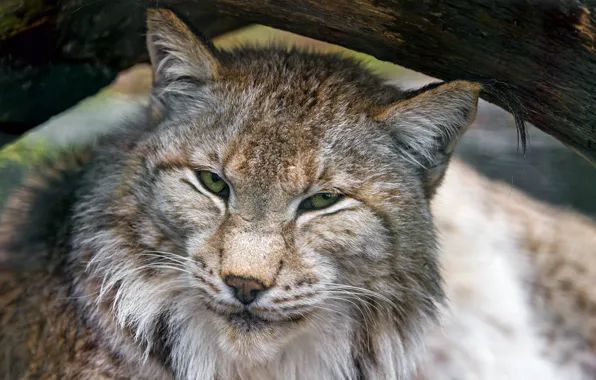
{"points": [[537, 58]]}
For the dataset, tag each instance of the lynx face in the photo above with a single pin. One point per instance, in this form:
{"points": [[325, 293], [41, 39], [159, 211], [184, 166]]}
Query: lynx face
{"points": [[277, 197]]}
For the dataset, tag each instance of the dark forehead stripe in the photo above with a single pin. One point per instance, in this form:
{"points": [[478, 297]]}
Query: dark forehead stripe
{"points": [[289, 101], [265, 155]]}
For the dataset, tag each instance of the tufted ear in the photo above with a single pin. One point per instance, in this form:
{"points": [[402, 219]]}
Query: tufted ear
{"points": [[428, 124], [176, 51]]}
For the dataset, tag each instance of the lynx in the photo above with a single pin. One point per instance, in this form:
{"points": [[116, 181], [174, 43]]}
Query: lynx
{"points": [[270, 218]]}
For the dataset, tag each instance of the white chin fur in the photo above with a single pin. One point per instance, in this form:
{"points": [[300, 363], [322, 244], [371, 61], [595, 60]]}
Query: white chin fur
{"points": [[210, 347]]}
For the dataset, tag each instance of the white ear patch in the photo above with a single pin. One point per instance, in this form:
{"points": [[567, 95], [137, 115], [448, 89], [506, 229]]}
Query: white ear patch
{"points": [[428, 125]]}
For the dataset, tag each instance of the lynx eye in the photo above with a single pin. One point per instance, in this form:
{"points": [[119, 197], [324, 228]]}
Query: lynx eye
{"points": [[319, 201], [214, 183]]}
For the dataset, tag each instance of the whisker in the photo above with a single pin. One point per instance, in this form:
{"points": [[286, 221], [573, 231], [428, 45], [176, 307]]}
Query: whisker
{"points": [[367, 315], [171, 254], [164, 266], [312, 319], [365, 301], [359, 289], [349, 317], [174, 258]]}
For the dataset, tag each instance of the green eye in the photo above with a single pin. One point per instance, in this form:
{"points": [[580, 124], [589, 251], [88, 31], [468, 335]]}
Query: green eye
{"points": [[214, 183], [319, 201]]}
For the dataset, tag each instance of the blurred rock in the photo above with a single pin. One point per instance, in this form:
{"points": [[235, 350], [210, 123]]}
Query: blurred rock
{"points": [[550, 171]]}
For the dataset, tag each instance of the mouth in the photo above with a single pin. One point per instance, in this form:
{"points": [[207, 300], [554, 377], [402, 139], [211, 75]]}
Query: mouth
{"points": [[247, 336], [245, 321], [252, 318]]}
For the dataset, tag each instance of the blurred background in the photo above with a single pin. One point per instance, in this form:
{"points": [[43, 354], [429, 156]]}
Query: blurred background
{"points": [[549, 171]]}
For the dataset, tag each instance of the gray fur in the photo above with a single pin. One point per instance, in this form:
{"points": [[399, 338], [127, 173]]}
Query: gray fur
{"points": [[351, 288]]}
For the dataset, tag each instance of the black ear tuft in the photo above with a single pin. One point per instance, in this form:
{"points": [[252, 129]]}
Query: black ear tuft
{"points": [[429, 123]]}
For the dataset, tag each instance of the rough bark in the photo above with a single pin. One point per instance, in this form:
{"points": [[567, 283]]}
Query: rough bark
{"points": [[537, 57], [54, 53]]}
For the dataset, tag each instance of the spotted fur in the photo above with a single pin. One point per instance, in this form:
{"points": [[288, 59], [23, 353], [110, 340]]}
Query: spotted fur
{"points": [[520, 277], [142, 248]]}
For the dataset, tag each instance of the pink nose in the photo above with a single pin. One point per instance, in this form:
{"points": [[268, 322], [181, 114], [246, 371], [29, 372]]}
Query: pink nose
{"points": [[245, 289]]}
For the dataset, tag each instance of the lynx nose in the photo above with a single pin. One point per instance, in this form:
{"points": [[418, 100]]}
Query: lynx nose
{"points": [[245, 289]]}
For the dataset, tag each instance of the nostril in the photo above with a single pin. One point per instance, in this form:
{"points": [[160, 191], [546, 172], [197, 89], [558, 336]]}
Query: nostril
{"points": [[245, 289]]}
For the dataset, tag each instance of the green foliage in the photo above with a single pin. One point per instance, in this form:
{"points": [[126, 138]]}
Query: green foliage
{"points": [[26, 151], [18, 158]]}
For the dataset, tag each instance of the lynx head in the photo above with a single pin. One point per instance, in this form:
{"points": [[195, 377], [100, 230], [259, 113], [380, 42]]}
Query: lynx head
{"points": [[277, 197]]}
